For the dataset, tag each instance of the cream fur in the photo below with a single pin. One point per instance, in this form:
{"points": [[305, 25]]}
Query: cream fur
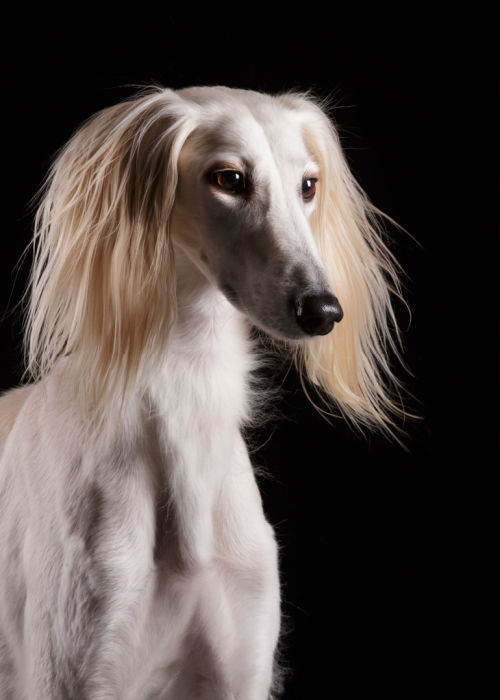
{"points": [[137, 562]]}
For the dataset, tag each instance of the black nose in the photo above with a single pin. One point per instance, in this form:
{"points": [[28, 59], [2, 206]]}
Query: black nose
{"points": [[316, 313]]}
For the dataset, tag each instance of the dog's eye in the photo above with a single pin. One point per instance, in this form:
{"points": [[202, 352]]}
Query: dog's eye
{"points": [[309, 188], [230, 181]]}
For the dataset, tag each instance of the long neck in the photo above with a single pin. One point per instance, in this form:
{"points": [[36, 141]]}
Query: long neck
{"points": [[200, 398], [208, 356]]}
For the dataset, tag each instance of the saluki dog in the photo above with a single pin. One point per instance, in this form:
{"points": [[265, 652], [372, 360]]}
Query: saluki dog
{"points": [[136, 560]]}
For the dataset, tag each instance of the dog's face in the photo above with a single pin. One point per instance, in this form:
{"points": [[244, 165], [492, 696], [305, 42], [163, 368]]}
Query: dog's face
{"points": [[247, 188]]}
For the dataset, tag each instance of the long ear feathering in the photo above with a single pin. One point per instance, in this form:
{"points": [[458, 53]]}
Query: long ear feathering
{"points": [[351, 366], [102, 287]]}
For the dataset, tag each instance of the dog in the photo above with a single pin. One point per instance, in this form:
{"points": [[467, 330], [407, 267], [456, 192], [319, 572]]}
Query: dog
{"points": [[137, 562]]}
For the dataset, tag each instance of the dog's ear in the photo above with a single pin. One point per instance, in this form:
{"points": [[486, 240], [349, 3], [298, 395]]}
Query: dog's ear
{"points": [[352, 364], [102, 285]]}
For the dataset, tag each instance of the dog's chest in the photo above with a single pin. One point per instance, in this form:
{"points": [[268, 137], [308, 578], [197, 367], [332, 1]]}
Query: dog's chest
{"points": [[164, 647], [187, 583], [191, 481]]}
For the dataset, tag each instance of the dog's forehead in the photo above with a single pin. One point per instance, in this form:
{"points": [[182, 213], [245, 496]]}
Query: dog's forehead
{"points": [[253, 131]]}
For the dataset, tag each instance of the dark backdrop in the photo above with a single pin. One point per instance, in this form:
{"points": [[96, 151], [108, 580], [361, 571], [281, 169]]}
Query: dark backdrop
{"points": [[376, 542]]}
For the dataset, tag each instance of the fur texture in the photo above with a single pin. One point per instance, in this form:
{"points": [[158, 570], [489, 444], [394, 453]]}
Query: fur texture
{"points": [[137, 562]]}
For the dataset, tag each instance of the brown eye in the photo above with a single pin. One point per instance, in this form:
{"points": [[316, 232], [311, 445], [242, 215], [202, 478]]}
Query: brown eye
{"points": [[309, 188], [230, 181]]}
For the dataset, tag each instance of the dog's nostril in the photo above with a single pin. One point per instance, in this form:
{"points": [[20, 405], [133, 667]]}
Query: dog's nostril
{"points": [[316, 313]]}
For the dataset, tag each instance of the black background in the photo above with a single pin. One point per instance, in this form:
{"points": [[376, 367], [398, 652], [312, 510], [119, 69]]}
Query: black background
{"points": [[379, 548]]}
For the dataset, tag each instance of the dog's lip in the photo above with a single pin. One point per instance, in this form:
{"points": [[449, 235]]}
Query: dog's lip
{"points": [[231, 294], [290, 333]]}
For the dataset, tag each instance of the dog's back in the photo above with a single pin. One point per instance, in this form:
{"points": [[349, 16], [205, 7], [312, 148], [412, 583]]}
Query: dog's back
{"points": [[11, 594], [11, 404]]}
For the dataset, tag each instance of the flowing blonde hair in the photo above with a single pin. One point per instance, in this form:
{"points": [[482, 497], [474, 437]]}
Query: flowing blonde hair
{"points": [[351, 366], [102, 286]]}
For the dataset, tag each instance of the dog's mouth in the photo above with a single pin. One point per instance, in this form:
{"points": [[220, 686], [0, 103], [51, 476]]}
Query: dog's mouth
{"points": [[231, 295], [306, 315]]}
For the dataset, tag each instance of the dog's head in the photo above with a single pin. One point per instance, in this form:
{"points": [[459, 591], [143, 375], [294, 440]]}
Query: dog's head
{"points": [[246, 192], [255, 190]]}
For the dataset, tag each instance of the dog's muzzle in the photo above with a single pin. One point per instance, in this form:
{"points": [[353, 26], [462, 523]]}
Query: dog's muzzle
{"points": [[316, 314]]}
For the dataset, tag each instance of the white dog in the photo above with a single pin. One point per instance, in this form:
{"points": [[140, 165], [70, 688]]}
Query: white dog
{"points": [[136, 560]]}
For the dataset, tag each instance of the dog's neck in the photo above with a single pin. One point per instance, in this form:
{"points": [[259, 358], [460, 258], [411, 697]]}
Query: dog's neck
{"points": [[200, 399], [207, 327]]}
